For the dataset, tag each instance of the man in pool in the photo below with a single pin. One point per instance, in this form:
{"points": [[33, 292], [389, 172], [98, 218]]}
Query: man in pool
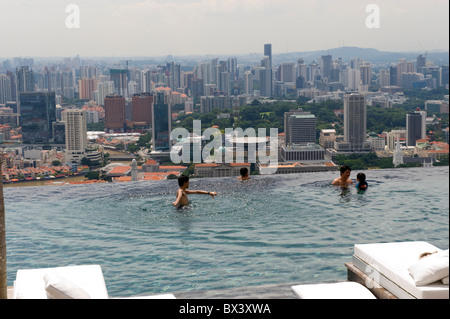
{"points": [[344, 180], [182, 199], [244, 174]]}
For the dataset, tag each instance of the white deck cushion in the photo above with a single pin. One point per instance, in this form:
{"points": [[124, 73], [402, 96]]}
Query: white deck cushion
{"points": [[339, 290], [30, 283], [58, 287], [430, 268], [392, 261]]}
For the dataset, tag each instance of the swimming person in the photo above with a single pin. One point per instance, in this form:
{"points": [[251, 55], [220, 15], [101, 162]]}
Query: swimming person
{"points": [[182, 199], [361, 179], [344, 180], [244, 174]]}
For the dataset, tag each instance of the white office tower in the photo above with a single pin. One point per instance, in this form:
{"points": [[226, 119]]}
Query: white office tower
{"points": [[398, 154], [76, 134], [134, 170]]}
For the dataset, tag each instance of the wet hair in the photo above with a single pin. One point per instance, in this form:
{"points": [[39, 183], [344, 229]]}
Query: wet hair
{"points": [[361, 177], [244, 171], [345, 168], [182, 179]]}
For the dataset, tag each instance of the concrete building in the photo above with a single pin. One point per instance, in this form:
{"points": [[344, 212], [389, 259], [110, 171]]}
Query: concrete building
{"points": [[415, 127], [327, 138], [219, 170], [299, 127], [76, 134], [114, 113]]}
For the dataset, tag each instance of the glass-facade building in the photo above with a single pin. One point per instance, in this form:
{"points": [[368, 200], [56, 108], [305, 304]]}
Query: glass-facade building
{"points": [[37, 114], [161, 122]]}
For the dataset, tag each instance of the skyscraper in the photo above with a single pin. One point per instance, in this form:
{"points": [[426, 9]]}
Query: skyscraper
{"points": [[120, 79], [415, 127], [142, 108], [265, 77], [37, 112], [114, 113], [76, 134], [268, 76], [161, 121], [355, 121], [325, 63], [24, 80], [175, 75], [5, 89], [87, 86]]}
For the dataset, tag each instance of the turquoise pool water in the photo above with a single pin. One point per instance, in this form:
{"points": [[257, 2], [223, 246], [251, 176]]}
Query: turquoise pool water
{"points": [[272, 229]]}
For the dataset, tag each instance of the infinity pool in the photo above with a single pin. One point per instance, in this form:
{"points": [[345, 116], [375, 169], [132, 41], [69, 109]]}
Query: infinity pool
{"points": [[271, 229]]}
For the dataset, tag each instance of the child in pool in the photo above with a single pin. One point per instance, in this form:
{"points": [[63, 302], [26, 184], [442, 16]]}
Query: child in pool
{"points": [[182, 199], [361, 179]]}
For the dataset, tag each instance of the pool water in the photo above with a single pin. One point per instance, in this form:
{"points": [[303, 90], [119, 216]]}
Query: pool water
{"points": [[271, 229]]}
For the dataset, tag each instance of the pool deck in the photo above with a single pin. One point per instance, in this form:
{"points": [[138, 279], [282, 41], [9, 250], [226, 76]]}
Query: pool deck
{"points": [[270, 291], [274, 291]]}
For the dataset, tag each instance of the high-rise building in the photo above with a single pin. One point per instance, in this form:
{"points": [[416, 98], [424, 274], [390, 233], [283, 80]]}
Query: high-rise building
{"points": [[366, 73], [87, 87], [421, 63], [268, 51], [175, 75], [325, 63], [76, 134], [120, 79], [299, 127], [287, 72], [5, 89], [161, 121], [37, 114], [415, 127], [248, 86], [24, 80], [268, 77], [393, 77], [142, 108], [114, 113], [355, 121], [265, 78]]}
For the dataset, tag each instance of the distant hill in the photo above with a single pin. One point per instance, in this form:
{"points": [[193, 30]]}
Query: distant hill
{"points": [[370, 55]]}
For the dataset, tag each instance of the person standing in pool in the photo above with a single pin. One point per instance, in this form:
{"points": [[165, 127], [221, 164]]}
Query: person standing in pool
{"points": [[362, 184], [182, 199], [344, 180], [244, 174]]}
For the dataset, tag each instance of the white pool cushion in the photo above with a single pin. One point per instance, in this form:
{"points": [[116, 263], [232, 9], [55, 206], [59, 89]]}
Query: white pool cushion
{"points": [[339, 290], [430, 268], [58, 287], [71, 281], [388, 263]]}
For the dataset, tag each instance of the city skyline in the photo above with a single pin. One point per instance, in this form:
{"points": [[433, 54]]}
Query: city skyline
{"points": [[52, 28]]}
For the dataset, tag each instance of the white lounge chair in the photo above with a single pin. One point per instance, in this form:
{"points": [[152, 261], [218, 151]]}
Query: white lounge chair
{"points": [[339, 290], [71, 282], [392, 266]]}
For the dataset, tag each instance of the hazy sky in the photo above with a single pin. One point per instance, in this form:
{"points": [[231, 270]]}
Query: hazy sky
{"points": [[38, 28]]}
